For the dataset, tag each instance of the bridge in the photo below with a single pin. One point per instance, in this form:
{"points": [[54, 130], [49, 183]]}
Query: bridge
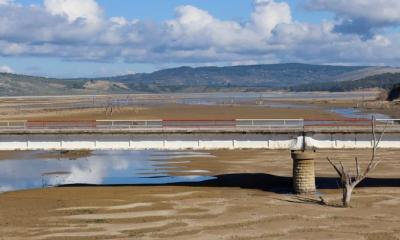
{"points": [[172, 134], [291, 134]]}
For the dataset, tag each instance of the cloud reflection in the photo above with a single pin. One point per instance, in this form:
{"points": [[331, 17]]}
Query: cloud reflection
{"points": [[102, 167]]}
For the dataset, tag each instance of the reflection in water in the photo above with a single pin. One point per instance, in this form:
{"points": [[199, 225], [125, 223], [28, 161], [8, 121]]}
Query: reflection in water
{"points": [[99, 168]]}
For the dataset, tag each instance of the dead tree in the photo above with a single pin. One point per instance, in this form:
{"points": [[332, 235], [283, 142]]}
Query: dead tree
{"points": [[111, 107], [348, 181]]}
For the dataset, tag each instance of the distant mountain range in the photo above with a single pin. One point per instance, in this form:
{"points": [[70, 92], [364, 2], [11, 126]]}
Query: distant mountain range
{"points": [[291, 76]]}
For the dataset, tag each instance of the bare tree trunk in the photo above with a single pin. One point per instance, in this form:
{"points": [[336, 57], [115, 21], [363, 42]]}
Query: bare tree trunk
{"points": [[349, 182], [347, 193]]}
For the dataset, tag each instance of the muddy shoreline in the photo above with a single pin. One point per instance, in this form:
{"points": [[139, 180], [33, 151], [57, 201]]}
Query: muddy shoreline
{"points": [[248, 200]]}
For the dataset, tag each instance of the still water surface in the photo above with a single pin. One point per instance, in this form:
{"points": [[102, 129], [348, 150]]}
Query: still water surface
{"points": [[28, 170]]}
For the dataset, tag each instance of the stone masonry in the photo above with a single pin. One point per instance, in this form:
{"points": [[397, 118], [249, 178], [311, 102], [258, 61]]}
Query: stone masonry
{"points": [[303, 172]]}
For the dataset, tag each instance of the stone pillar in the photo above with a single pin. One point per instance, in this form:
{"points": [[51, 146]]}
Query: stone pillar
{"points": [[303, 172]]}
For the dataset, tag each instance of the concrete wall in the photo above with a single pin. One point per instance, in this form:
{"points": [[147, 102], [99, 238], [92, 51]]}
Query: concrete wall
{"points": [[190, 141], [351, 141]]}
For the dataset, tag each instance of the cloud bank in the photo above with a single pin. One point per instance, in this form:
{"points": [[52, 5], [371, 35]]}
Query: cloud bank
{"points": [[79, 30], [363, 17]]}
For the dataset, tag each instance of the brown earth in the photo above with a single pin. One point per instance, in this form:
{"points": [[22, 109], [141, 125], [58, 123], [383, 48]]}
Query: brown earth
{"points": [[174, 111], [248, 200]]}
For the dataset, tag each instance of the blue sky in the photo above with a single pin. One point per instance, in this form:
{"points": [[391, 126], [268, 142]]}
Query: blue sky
{"points": [[74, 38]]}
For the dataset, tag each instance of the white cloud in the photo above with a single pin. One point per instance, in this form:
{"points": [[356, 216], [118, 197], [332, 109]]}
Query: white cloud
{"points": [[78, 30], [384, 11], [361, 17], [6, 69], [195, 28], [88, 10], [268, 14], [5, 2]]}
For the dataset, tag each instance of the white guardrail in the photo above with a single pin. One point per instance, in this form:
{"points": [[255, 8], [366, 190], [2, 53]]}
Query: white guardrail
{"points": [[190, 124], [269, 123], [155, 124], [389, 122], [18, 124], [131, 124]]}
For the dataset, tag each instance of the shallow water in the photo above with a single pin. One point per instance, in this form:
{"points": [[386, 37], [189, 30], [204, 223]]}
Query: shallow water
{"points": [[357, 113], [29, 170]]}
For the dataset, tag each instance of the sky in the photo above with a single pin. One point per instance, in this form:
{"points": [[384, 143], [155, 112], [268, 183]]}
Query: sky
{"points": [[92, 38]]}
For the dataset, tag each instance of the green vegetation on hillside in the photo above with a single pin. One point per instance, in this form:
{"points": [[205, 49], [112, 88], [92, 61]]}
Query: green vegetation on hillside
{"points": [[293, 76], [15, 85], [384, 81], [394, 93], [272, 76]]}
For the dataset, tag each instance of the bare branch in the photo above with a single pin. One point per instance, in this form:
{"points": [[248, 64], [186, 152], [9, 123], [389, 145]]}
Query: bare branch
{"points": [[349, 182], [357, 168], [335, 167], [382, 134], [373, 132], [341, 165]]}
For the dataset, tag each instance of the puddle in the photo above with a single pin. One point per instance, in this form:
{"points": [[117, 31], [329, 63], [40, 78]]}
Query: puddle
{"points": [[357, 113], [30, 171]]}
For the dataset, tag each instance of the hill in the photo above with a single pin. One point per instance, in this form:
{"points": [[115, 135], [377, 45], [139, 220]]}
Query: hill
{"points": [[187, 79], [22, 85], [274, 76], [385, 81]]}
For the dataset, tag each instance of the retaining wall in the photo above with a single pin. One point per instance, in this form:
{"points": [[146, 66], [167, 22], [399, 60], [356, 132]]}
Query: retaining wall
{"points": [[195, 141]]}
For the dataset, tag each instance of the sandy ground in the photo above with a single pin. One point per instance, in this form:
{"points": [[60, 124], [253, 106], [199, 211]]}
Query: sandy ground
{"points": [[250, 199], [171, 111]]}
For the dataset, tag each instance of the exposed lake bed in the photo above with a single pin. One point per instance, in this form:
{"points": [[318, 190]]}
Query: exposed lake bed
{"points": [[248, 198], [233, 194], [185, 106]]}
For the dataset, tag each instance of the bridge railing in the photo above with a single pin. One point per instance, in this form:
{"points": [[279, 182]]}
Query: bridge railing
{"points": [[289, 124], [13, 124], [269, 123], [202, 124], [60, 125], [129, 124], [389, 122], [337, 122], [365, 124], [198, 123], [156, 124]]}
